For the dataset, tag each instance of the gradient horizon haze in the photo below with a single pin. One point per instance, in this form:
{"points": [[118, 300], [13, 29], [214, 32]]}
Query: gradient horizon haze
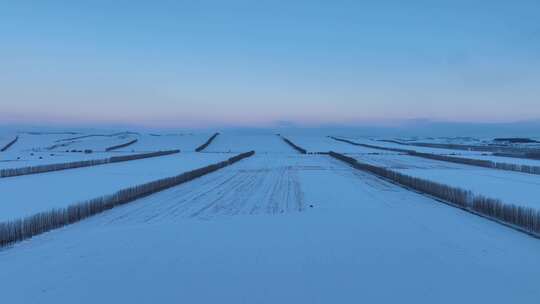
{"points": [[259, 63]]}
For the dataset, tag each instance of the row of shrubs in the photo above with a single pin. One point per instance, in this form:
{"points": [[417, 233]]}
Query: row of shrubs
{"points": [[529, 155], [79, 164], [9, 144], [370, 146], [207, 143], [21, 229], [296, 147], [129, 143], [463, 147], [523, 218], [459, 160], [479, 163], [116, 159], [94, 135]]}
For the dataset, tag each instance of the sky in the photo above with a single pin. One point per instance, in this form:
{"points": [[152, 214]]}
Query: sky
{"points": [[257, 63]]}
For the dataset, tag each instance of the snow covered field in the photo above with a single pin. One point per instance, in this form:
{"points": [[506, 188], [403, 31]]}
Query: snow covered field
{"points": [[11, 160], [474, 141], [379, 143], [456, 153], [236, 143], [364, 240], [279, 227], [29, 194], [318, 143], [41, 149], [512, 187], [184, 142]]}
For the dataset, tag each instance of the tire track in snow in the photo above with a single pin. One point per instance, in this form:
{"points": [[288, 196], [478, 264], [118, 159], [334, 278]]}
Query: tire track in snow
{"points": [[253, 187]]}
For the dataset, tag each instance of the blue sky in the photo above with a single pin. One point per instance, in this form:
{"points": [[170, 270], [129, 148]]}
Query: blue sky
{"points": [[202, 63]]}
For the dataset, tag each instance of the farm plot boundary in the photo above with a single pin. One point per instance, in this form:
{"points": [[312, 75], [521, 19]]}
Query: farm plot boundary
{"points": [[207, 143], [458, 160], [9, 144], [25, 228], [79, 164], [523, 219]]}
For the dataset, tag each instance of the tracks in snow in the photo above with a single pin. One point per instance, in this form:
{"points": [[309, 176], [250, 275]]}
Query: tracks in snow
{"points": [[253, 187]]}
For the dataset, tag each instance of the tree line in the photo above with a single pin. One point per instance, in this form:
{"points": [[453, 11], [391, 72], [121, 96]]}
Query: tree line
{"points": [[453, 159], [480, 163], [293, 145], [25, 228], [79, 164], [370, 146], [207, 143], [9, 144], [525, 219], [131, 142]]}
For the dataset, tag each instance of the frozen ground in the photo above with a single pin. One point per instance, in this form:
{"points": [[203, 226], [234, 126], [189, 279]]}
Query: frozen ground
{"points": [[5, 138], [507, 160], [417, 148], [511, 187], [483, 141], [319, 143], [29, 194], [11, 160], [41, 149], [489, 144], [364, 241], [445, 140], [96, 143], [31, 149], [30, 141], [266, 142], [187, 142], [279, 227], [455, 153]]}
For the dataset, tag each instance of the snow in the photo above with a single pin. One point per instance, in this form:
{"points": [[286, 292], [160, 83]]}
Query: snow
{"points": [[455, 153], [239, 143], [13, 160], [29, 194], [47, 142], [378, 143], [364, 241], [316, 143], [5, 138], [35, 142], [95, 143], [511, 187], [33, 149], [484, 141], [507, 160], [185, 142], [279, 227]]}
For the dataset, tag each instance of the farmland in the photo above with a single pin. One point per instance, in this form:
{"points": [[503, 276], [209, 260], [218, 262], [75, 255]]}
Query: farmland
{"points": [[307, 225]]}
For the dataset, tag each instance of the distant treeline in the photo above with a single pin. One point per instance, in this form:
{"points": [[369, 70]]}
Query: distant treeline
{"points": [[207, 143], [518, 152], [370, 146], [9, 144], [458, 160], [529, 155], [296, 147], [131, 142], [516, 140], [480, 163], [522, 218], [21, 229], [79, 164], [96, 135]]}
